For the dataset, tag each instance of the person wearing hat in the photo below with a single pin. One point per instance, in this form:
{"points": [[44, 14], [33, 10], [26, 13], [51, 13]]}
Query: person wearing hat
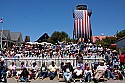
{"points": [[117, 73], [100, 71], [68, 70], [114, 53], [107, 56], [78, 73]]}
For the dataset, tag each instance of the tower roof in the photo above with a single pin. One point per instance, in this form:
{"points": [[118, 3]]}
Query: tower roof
{"points": [[81, 7]]}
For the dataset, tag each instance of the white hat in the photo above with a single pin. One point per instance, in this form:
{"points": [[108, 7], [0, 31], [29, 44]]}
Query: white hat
{"points": [[102, 61], [68, 61], [108, 49], [99, 45], [90, 44], [2, 59], [78, 66], [114, 51]]}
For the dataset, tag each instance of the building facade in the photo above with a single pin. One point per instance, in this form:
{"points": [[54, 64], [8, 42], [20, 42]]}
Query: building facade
{"points": [[9, 38]]}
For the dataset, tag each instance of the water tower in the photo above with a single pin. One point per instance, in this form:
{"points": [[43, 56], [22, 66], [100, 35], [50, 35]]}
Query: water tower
{"points": [[82, 26]]}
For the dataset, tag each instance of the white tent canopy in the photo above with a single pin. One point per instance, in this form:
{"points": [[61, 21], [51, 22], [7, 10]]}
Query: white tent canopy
{"points": [[42, 43]]}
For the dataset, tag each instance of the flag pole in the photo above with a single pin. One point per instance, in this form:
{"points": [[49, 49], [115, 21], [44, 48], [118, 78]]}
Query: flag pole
{"points": [[2, 35]]}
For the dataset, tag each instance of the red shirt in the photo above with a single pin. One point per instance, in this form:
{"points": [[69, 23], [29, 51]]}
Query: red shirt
{"points": [[122, 57]]}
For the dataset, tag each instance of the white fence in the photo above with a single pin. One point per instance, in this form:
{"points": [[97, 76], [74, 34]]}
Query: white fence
{"points": [[28, 61]]}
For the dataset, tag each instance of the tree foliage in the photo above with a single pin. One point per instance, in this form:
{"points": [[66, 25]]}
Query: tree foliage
{"points": [[123, 50], [110, 40], [58, 36], [120, 34], [107, 41]]}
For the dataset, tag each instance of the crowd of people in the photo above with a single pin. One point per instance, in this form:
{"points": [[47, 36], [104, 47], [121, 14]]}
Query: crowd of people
{"points": [[49, 50], [112, 65]]}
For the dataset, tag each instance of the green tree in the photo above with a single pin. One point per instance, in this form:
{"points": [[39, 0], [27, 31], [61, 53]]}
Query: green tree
{"points": [[58, 36], [107, 41], [111, 40], [120, 34], [123, 50]]}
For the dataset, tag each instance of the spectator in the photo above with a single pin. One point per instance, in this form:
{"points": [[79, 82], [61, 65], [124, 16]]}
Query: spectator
{"points": [[24, 75], [114, 59], [61, 70], [43, 71], [21, 69], [110, 73], [3, 70], [122, 59], [78, 73], [123, 70], [68, 69], [107, 56], [62, 66], [117, 72], [12, 69], [100, 71], [22, 65], [34, 71], [53, 71], [114, 53], [87, 74], [79, 59]]}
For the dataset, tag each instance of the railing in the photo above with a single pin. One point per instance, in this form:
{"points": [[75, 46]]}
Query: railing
{"points": [[28, 61]]}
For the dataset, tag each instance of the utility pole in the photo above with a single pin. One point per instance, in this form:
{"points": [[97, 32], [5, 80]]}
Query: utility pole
{"points": [[2, 33]]}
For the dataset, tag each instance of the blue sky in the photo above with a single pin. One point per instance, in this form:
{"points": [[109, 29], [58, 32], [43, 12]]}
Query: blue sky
{"points": [[35, 17]]}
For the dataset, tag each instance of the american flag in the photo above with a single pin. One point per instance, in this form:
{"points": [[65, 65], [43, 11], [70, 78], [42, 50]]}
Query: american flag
{"points": [[1, 20], [82, 26]]}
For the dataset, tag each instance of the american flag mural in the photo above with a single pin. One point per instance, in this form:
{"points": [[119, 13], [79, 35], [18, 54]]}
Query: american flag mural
{"points": [[82, 26]]}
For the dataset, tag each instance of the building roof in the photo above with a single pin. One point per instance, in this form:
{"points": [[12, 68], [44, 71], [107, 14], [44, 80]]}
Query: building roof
{"points": [[120, 39], [43, 38], [95, 38], [16, 36], [6, 34], [121, 42]]}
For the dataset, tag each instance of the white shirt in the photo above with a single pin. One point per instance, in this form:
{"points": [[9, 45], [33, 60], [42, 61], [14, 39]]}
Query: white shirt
{"points": [[86, 71], [12, 67], [78, 72], [101, 68], [35, 68], [52, 69]]}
